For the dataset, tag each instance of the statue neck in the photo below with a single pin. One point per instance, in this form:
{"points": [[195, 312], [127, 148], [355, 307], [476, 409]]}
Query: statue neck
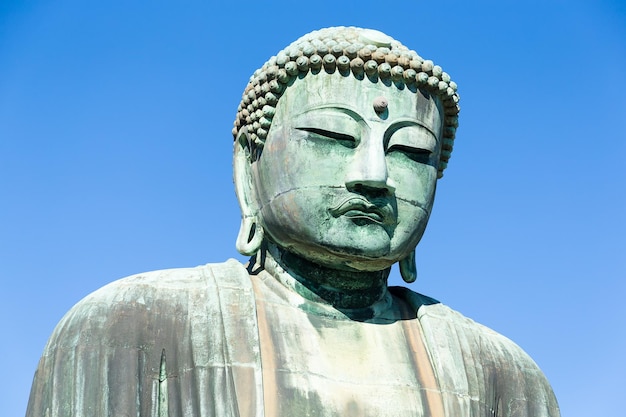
{"points": [[350, 291]]}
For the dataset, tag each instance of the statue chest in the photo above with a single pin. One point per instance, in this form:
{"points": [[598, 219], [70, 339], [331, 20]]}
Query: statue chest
{"points": [[314, 365]]}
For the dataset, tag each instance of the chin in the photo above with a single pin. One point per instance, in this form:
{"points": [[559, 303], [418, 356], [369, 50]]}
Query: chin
{"points": [[371, 251], [349, 257]]}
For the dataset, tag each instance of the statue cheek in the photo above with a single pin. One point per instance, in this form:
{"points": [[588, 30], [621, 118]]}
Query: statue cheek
{"points": [[298, 215], [416, 184], [412, 221]]}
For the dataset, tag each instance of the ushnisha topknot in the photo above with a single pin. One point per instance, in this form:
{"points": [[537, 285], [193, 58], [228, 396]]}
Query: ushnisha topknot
{"points": [[362, 53]]}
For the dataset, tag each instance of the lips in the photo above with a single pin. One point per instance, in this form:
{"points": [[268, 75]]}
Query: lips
{"points": [[360, 208], [362, 214]]}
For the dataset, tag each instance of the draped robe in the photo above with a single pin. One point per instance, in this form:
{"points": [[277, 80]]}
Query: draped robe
{"points": [[217, 341]]}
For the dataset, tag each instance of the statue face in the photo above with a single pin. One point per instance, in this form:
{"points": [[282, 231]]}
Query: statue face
{"points": [[342, 184]]}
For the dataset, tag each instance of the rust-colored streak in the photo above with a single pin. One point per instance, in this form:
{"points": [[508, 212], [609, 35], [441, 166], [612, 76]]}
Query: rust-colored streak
{"points": [[424, 371], [267, 351]]}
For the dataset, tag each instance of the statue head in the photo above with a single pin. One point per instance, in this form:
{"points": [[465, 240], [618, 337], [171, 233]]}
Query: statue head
{"points": [[339, 142]]}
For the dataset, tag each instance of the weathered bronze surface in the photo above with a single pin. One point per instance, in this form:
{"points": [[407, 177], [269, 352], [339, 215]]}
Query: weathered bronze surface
{"points": [[339, 142]]}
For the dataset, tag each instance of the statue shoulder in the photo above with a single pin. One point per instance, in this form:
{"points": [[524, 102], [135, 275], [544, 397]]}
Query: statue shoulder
{"points": [[125, 330], [463, 350], [164, 287], [441, 321], [494, 346], [137, 309], [157, 294]]}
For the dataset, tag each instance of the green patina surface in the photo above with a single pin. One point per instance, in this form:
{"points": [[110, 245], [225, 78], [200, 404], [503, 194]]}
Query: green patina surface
{"points": [[339, 143]]}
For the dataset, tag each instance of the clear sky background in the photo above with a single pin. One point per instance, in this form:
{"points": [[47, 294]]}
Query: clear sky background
{"points": [[115, 158]]}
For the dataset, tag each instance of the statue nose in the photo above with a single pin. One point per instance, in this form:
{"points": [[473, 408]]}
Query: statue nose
{"points": [[368, 170]]}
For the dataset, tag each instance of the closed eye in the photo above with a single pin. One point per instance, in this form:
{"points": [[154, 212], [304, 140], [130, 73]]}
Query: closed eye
{"points": [[416, 154], [344, 139]]}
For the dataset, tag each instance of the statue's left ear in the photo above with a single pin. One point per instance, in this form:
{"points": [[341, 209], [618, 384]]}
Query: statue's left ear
{"points": [[251, 231], [408, 270]]}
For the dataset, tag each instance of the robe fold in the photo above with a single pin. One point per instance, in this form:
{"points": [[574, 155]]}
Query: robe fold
{"points": [[185, 343]]}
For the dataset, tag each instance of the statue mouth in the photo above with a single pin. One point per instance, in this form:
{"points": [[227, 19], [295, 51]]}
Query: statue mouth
{"points": [[358, 208]]}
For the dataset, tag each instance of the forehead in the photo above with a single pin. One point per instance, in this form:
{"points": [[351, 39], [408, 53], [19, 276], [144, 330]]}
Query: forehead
{"points": [[346, 92]]}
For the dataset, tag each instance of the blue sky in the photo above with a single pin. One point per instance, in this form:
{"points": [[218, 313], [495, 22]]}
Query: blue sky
{"points": [[115, 158]]}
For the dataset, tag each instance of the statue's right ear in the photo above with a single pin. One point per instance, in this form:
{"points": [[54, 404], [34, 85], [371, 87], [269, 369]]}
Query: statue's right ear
{"points": [[251, 231]]}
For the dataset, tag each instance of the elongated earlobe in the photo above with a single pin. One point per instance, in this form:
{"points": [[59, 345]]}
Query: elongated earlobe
{"points": [[251, 232], [408, 269], [250, 236]]}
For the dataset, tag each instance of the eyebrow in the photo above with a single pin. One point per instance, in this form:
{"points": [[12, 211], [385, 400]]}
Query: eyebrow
{"points": [[406, 121], [402, 121], [341, 108]]}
